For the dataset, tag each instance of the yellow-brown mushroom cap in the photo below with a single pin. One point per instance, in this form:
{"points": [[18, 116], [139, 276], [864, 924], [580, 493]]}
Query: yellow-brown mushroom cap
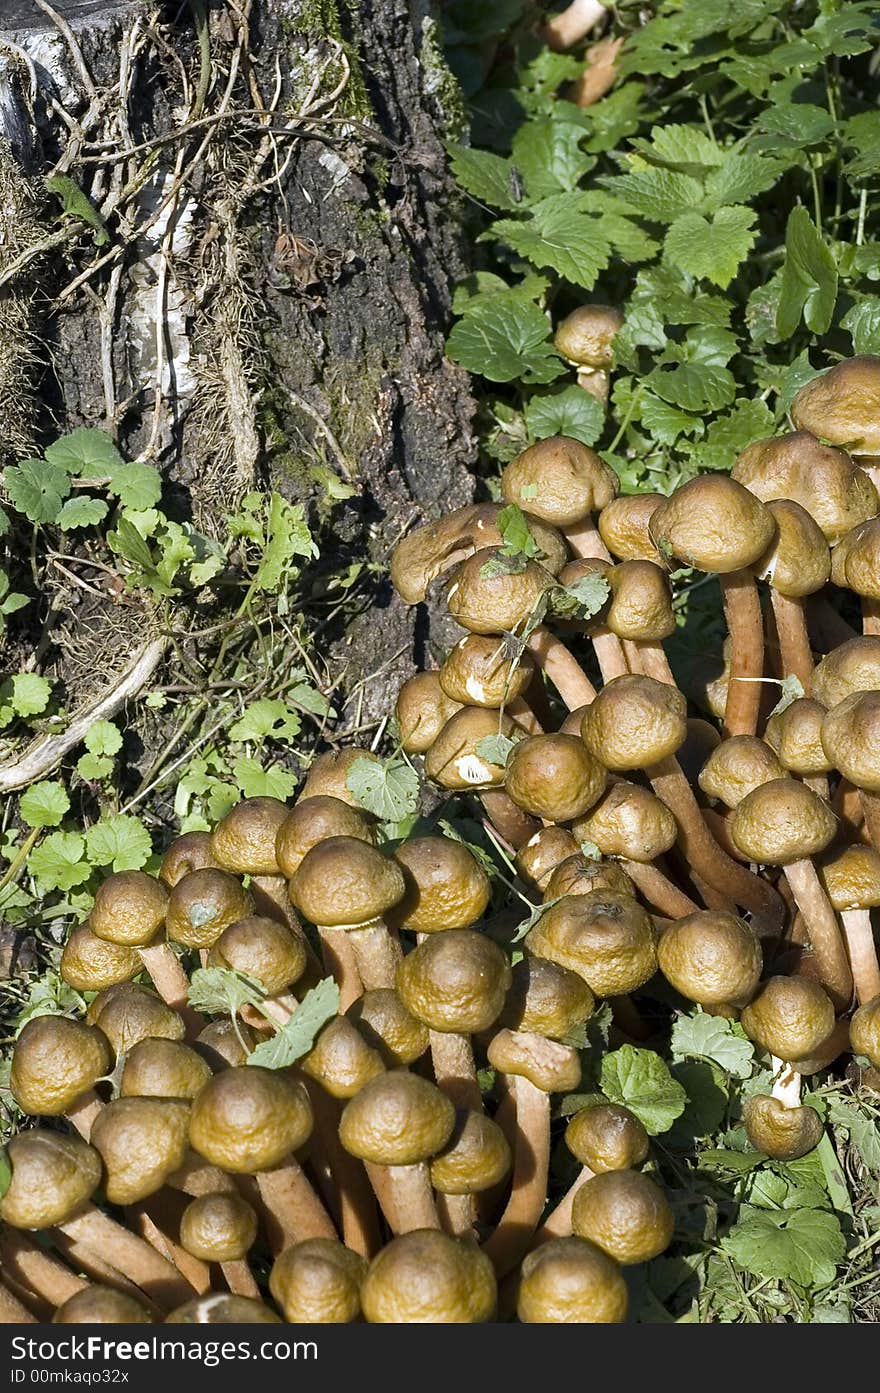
{"points": [[313, 820], [247, 1119], [559, 480], [542, 853], [554, 777], [738, 766], [546, 999], [341, 1060], [796, 734], [445, 885], [581, 875], [781, 822], [129, 908], [159, 1068], [635, 722], [822, 479], [486, 597], [53, 1176], [428, 1277], [569, 1281], [711, 957], [851, 739], [395, 1033], [129, 1012], [607, 938], [641, 602], [713, 524], [141, 1141], [797, 561], [476, 1157], [854, 666], [607, 1137], [851, 876], [454, 981], [624, 526], [625, 1214], [220, 1045], [203, 904], [222, 1308], [397, 1119], [189, 852], [790, 1017], [318, 1281], [421, 710], [843, 405], [218, 1227], [480, 672], [454, 760], [864, 1033], [547, 1064], [346, 883], [779, 1131], [861, 559], [629, 821], [54, 1061], [262, 949], [328, 775], [99, 1305], [586, 336], [244, 840], [89, 963]]}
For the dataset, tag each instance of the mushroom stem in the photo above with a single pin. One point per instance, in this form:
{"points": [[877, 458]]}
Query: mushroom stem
{"points": [[742, 610], [862, 952], [405, 1196], [239, 1278], [454, 1070], [12, 1312], [522, 713], [458, 1214], [195, 1177], [561, 668], [558, 1221], [513, 1233], [171, 982], [795, 651], [786, 1083], [357, 1207], [584, 539], [515, 826], [609, 654], [568, 28], [818, 783], [83, 1112], [33, 1269], [825, 936], [129, 1254], [870, 807], [196, 1272], [377, 953], [870, 615], [340, 962], [295, 1211], [649, 657], [658, 891]]}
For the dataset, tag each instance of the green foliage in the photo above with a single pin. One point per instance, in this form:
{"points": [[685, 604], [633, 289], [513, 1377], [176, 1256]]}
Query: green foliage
{"points": [[44, 804], [297, 1036], [798, 1244], [715, 1039], [218, 991], [387, 788], [640, 1080]]}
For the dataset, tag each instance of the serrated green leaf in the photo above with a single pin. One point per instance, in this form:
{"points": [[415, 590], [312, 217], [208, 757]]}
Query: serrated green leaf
{"points": [[809, 278], [387, 788], [85, 451], [801, 1245], [640, 1080], [103, 738], [659, 195], [568, 411], [548, 155], [695, 387], [799, 123], [711, 248], [720, 1041], [582, 598], [741, 178], [93, 768], [264, 719], [288, 539], [297, 1036], [665, 422], [37, 488], [678, 146], [81, 511], [486, 176], [119, 841], [137, 486], [44, 804], [220, 991], [495, 749], [503, 337], [59, 862], [25, 694], [863, 323], [558, 235], [255, 781]]}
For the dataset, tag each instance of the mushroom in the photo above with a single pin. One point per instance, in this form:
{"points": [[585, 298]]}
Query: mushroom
{"points": [[554, 777], [736, 767], [842, 406], [714, 524], [607, 647], [318, 1282], [158, 1068], [56, 1063], [796, 735], [864, 1031], [604, 936], [852, 667], [341, 1060], [98, 1305], [783, 823], [546, 999], [711, 957], [585, 338], [603, 1137], [189, 852], [486, 597], [89, 963], [776, 1123], [312, 820], [542, 853], [422, 710], [445, 886], [641, 615], [849, 738], [581, 875], [222, 1228], [796, 564], [625, 1214], [563, 482], [142, 1142], [203, 904], [429, 1278], [569, 1281], [129, 910], [454, 763], [269, 953], [855, 565], [791, 1018], [129, 1012], [631, 822], [476, 1158], [851, 878], [328, 775], [624, 526], [479, 671], [393, 1031], [224, 1043], [223, 1308], [822, 479]]}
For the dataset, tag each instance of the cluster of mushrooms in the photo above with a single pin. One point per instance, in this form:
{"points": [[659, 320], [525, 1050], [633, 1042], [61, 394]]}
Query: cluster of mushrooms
{"points": [[400, 1169]]}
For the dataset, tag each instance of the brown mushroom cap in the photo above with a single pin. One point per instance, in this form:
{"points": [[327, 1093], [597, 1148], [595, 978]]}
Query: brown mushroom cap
{"points": [[796, 734], [823, 480], [262, 949], [864, 1035], [97, 1305], [220, 1045], [625, 1214], [386, 1024], [546, 999], [585, 336], [780, 822], [569, 1281], [781, 1132], [559, 480], [641, 602], [89, 963], [218, 1227], [607, 938], [203, 904], [797, 561], [624, 527], [328, 776], [129, 908], [581, 875], [346, 883], [454, 981], [479, 672], [843, 405], [189, 852], [850, 736], [247, 1119], [476, 1157], [244, 840], [738, 766], [635, 722], [453, 760], [607, 1137], [312, 820], [701, 739], [222, 1308], [341, 1059], [711, 957], [489, 601], [577, 570], [397, 1119], [318, 1281], [157, 1068], [142, 1141], [854, 666], [861, 559], [429, 1278], [629, 821], [851, 877], [713, 524], [542, 853], [790, 1017], [54, 1061], [554, 777], [128, 1012], [422, 710], [445, 886], [547, 1064], [52, 1177]]}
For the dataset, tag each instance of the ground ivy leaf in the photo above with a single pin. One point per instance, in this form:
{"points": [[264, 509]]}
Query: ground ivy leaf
{"points": [[59, 861], [137, 486], [799, 1245], [297, 1036], [549, 157], [387, 788], [255, 781], [505, 336], [567, 411], [558, 235], [26, 694], [44, 804], [263, 718], [720, 1041], [711, 248], [640, 1080], [103, 738]]}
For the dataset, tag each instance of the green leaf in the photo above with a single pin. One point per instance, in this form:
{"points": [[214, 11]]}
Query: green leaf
{"points": [[289, 538], [659, 195], [568, 411], [37, 488], [665, 422], [741, 178], [257, 782], [120, 841], [103, 738], [81, 511], [5, 1171], [711, 248], [495, 749], [85, 451], [582, 599], [297, 1036], [516, 535], [59, 861], [696, 387], [307, 697], [800, 1245], [558, 235], [44, 804], [503, 337], [486, 176], [219, 991], [387, 788], [801, 123], [809, 278], [25, 694], [720, 1041], [707, 1100], [640, 1080], [680, 147], [266, 719], [137, 486], [863, 323], [93, 768], [548, 154]]}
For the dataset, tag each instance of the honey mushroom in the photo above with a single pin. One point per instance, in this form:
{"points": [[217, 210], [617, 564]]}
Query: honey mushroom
{"points": [[603, 1137], [221, 1228], [318, 1281], [797, 564], [585, 339], [456, 764], [129, 911], [632, 823]]}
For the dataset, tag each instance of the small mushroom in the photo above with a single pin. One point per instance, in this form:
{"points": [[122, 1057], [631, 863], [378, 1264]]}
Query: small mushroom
{"points": [[851, 878], [546, 999], [129, 1012], [603, 1137], [625, 1214], [736, 767], [344, 883], [864, 1031], [822, 479], [632, 823], [850, 739], [791, 1018], [311, 821], [429, 1278], [222, 1228], [796, 735], [318, 1282], [129, 910], [489, 598], [89, 963], [422, 710], [860, 558], [554, 777], [189, 852], [711, 957], [223, 1308], [158, 1068], [328, 775], [142, 1141], [841, 406], [244, 842], [56, 1063], [796, 564], [393, 1031], [564, 483], [641, 615], [480, 672], [776, 1123], [542, 853], [851, 667], [98, 1305], [269, 953], [581, 875], [605, 937], [585, 338], [624, 526], [445, 886], [569, 1281], [203, 904]]}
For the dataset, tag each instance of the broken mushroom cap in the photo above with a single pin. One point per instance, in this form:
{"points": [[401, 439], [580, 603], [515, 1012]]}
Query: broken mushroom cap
{"points": [[851, 876], [548, 1065], [629, 821], [624, 527], [318, 1281], [89, 963], [864, 1034], [843, 405], [569, 1281], [489, 598], [781, 822], [397, 1119], [781, 1132], [480, 672], [607, 938], [790, 1017], [312, 820], [476, 1157], [542, 853], [222, 1308], [247, 1119], [711, 957], [97, 1305], [635, 722], [445, 886], [54, 1061], [203, 904], [189, 852], [625, 1214], [641, 602], [262, 949], [713, 524], [346, 883], [546, 999], [554, 777], [823, 480], [559, 480], [581, 875], [454, 761], [52, 1177], [218, 1227], [244, 840], [738, 766], [796, 734], [129, 1012], [429, 1278], [850, 734], [797, 562], [397, 1035], [157, 1068], [585, 337], [607, 1137], [328, 775], [129, 908], [142, 1141], [422, 710], [454, 981], [341, 1060]]}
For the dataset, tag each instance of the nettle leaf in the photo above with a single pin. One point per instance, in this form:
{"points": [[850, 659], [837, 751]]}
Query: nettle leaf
{"points": [[711, 248], [484, 175], [680, 146], [81, 511], [641, 1081], [799, 1245], [728, 435], [720, 1041], [568, 411], [495, 749], [387, 788], [809, 278], [219, 991], [659, 195], [665, 422], [37, 488], [549, 157], [481, 284], [44, 804], [741, 178], [297, 1036], [582, 599], [505, 337], [695, 387], [59, 862], [266, 718], [801, 123], [863, 323], [559, 235], [85, 451], [119, 840]]}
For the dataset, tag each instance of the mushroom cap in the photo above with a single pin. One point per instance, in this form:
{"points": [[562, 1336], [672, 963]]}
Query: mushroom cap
{"points": [[157, 1068], [581, 875], [559, 480], [860, 558], [790, 1017], [479, 672], [822, 479], [711, 957], [222, 1308], [625, 1214], [244, 840], [262, 949], [89, 963], [635, 722], [453, 761], [53, 1176], [624, 527], [429, 1278], [585, 336], [97, 1305], [489, 601], [854, 666], [779, 1131], [713, 524], [341, 1059], [346, 883], [781, 822], [542, 853], [247, 1119], [797, 562], [738, 766], [797, 736], [203, 904], [629, 821], [843, 405], [54, 1061], [422, 710], [850, 736], [397, 1119], [641, 602], [385, 1023], [607, 1137], [129, 908], [129, 1012], [546, 999], [446, 887], [189, 852], [142, 1141], [455, 981], [219, 1044], [476, 1157], [851, 877], [318, 1282], [554, 777], [328, 775], [607, 938], [547, 1064], [218, 1227], [312, 820], [864, 1035], [569, 1281]]}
